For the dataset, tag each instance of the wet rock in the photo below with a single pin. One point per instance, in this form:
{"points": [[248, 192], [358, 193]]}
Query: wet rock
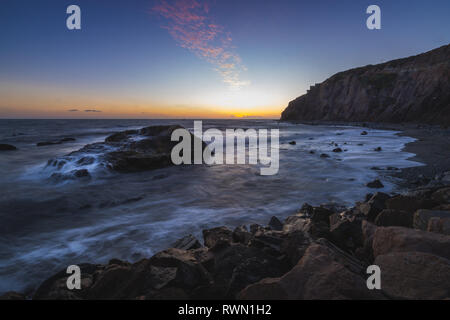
{"points": [[293, 143], [364, 133], [7, 147], [374, 206], [324, 155], [82, 173], [187, 243], [378, 149], [275, 223], [414, 275], [337, 150], [423, 216], [49, 143], [375, 184], [392, 217], [217, 237], [399, 239], [312, 152]]}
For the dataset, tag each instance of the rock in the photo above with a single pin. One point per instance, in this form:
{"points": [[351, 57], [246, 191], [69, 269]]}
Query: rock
{"points": [[7, 147], [187, 243], [11, 295], [83, 173], [324, 155], [414, 275], [217, 237], [321, 214], [295, 245], [275, 223], [439, 225], [241, 235], [364, 133], [374, 206], [312, 152], [441, 196], [255, 228], [322, 273], [408, 203], [347, 234], [423, 216], [378, 149], [375, 184], [391, 217], [399, 239], [293, 143], [337, 150]]}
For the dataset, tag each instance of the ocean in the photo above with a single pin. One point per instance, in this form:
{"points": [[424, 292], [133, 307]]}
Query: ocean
{"points": [[48, 224]]}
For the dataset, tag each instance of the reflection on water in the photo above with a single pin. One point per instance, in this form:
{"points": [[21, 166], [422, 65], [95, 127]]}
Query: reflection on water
{"points": [[47, 226]]}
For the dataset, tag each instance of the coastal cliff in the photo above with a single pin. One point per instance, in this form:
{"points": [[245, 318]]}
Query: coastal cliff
{"points": [[413, 89]]}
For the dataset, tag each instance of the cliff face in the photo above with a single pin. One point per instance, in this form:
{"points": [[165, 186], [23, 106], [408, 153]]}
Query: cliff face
{"points": [[413, 89]]}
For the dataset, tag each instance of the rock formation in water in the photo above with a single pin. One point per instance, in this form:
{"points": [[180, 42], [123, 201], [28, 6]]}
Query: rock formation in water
{"points": [[414, 89]]}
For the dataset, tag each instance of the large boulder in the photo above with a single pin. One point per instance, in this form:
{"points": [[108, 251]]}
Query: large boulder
{"points": [[441, 195], [414, 275], [408, 203], [439, 225], [187, 243], [374, 206], [322, 273], [399, 239]]}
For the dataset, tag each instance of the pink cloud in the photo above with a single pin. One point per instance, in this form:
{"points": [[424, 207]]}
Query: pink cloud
{"points": [[189, 23]]}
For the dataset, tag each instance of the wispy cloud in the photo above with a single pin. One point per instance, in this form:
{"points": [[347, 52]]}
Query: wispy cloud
{"points": [[190, 24], [92, 110], [73, 110]]}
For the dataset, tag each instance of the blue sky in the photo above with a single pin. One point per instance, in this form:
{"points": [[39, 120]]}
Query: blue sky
{"points": [[195, 58]]}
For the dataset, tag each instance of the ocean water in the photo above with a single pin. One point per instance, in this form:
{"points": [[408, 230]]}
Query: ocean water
{"points": [[46, 225]]}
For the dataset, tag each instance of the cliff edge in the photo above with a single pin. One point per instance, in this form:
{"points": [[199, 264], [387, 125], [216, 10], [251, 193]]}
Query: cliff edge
{"points": [[413, 89]]}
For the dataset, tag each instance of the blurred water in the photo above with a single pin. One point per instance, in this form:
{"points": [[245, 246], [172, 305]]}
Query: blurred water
{"points": [[47, 226]]}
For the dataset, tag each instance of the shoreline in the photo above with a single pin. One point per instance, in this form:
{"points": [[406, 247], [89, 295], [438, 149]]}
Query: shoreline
{"points": [[228, 262]]}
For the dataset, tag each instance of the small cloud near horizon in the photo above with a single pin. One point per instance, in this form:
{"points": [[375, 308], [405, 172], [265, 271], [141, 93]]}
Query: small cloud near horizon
{"points": [[190, 24], [92, 110], [73, 110]]}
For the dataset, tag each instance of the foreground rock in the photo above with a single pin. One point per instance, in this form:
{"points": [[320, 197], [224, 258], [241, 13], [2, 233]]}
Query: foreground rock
{"points": [[317, 253]]}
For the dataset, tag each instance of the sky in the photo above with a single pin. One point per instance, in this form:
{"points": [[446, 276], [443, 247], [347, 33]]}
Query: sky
{"points": [[195, 58]]}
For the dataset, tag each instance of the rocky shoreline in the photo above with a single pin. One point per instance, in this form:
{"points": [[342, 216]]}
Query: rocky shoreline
{"points": [[319, 252]]}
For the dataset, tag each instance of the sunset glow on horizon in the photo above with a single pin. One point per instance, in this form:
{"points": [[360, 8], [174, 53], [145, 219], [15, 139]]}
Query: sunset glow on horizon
{"points": [[192, 58]]}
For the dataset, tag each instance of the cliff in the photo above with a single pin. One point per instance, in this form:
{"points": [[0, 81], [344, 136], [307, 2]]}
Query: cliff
{"points": [[413, 89]]}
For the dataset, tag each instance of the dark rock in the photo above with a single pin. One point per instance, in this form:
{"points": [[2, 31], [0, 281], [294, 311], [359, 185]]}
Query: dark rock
{"points": [[7, 147], [324, 155], [441, 196], [375, 184], [275, 223], [337, 150], [378, 149], [294, 246], [423, 216], [408, 203], [187, 243], [241, 235], [11, 295], [312, 152], [347, 234], [364, 133], [439, 225], [217, 237], [83, 173], [390, 217], [293, 143], [255, 228], [374, 206]]}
